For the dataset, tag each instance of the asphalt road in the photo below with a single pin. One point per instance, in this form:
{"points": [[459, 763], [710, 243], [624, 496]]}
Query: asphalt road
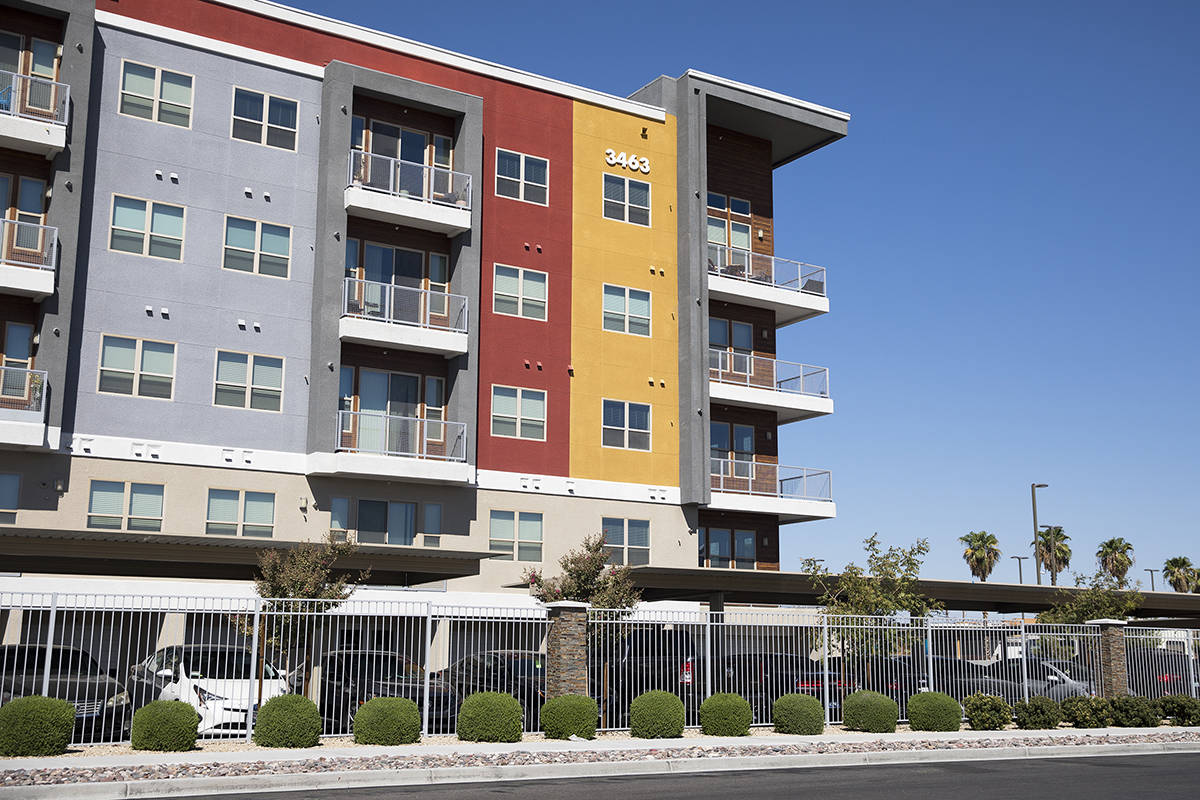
{"points": [[1160, 777]]}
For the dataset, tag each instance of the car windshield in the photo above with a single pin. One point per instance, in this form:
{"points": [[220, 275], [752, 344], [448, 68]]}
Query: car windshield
{"points": [[527, 666], [383, 667], [63, 661], [1075, 672], [221, 664]]}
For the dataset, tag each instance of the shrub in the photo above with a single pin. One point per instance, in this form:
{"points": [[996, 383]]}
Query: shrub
{"points": [[490, 717], [167, 726], [987, 712], [798, 714], [934, 711], [725, 714], [870, 711], [35, 726], [656, 715], [1087, 712], [289, 720], [1181, 709], [570, 715], [1039, 714], [1129, 711], [387, 720]]}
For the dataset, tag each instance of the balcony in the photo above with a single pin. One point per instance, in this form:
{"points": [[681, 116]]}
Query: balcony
{"points": [[377, 445], [22, 407], [792, 289], [33, 114], [792, 391], [377, 313], [794, 494], [27, 257], [406, 193]]}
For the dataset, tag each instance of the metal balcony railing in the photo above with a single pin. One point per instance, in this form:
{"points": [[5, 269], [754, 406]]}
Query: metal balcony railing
{"points": [[746, 476], [761, 372], [783, 273], [22, 389], [33, 97], [402, 437], [27, 244], [404, 305], [410, 179]]}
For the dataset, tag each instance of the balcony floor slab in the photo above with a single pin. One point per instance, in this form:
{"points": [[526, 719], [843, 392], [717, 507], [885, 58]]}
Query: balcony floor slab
{"points": [[32, 136], [789, 306], [26, 281], [407, 337], [787, 509], [788, 406], [384, 207], [370, 465]]}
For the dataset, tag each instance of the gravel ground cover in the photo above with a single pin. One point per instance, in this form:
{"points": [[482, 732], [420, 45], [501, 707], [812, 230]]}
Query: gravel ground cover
{"points": [[25, 777]]}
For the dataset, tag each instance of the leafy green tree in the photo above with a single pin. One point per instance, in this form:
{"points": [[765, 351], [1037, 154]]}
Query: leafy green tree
{"points": [[1180, 573], [1104, 597], [586, 577], [888, 584], [1115, 557], [1051, 549], [981, 552]]}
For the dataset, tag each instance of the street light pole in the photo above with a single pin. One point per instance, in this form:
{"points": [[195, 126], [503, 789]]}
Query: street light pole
{"points": [[1037, 549], [1020, 573], [1151, 571]]}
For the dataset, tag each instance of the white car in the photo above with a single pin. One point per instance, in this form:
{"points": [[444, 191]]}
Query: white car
{"points": [[213, 679]]}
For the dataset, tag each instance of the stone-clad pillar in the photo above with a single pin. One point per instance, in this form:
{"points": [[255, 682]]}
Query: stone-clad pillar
{"points": [[1114, 673], [566, 649]]}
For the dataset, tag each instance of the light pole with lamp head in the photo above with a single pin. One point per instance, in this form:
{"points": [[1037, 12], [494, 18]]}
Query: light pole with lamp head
{"points": [[1020, 573], [1151, 571], [1037, 550]]}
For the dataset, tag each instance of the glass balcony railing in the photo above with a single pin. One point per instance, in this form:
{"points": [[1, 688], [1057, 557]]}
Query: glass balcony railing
{"points": [[410, 180], [33, 97], [404, 305], [761, 372], [746, 476], [382, 434], [782, 273], [26, 244], [22, 389]]}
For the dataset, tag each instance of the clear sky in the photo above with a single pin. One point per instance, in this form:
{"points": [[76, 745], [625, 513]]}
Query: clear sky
{"points": [[1012, 233]]}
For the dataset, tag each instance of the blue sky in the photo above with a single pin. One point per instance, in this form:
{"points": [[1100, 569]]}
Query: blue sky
{"points": [[1012, 233]]}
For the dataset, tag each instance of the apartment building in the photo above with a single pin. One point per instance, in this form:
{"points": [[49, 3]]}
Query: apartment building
{"points": [[267, 275]]}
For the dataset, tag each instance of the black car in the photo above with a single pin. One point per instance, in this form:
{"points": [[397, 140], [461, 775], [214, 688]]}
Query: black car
{"points": [[350, 678], [646, 658], [1156, 672], [762, 678], [102, 712], [521, 673]]}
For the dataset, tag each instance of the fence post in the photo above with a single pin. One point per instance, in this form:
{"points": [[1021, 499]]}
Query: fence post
{"points": [[49, 643], [1024, 662], [708, 655], [929, 652], [1114, 672], [825, 665], [428, 668], [1191, 658], [250, 707], [566, 649]]}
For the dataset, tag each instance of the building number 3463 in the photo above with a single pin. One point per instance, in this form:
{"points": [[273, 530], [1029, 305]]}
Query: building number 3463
{"points": [[631, 162]]}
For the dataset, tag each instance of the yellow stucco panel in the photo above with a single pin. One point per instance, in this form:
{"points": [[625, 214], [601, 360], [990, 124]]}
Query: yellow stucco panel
{"points": [[608, 364]]}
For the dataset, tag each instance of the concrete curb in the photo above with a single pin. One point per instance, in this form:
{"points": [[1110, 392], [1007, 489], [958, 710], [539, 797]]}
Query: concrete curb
{"points": [[310, 781]]}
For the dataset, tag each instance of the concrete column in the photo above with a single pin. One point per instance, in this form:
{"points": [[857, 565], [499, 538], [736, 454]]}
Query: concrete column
{"points": [[566, 649], [1114, 674]]}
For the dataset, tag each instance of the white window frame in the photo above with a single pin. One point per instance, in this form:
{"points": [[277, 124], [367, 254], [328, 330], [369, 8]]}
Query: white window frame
{"points": [[257, 253], [250, 385], [625, 547], [625, 313], [519, 418], [520, 296], [137, 370], [126, 514], [240, 523], [625, 430], [625, 204], [156, 101], [522, 182], [516, 540], [8, 513], [146, 233], [262, 139]]}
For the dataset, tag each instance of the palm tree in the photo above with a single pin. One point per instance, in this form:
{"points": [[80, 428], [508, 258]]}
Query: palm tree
{"points": [[1180, 573], [981, 553], [1115, 557], [1052, 548]]}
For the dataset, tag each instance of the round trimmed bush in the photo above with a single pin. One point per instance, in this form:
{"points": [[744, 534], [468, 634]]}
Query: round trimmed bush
{"points": [[35, 726], [1087, 712], [289, 720], [656, 715], [490, 717], [570, 715], [798, 714], [870, 711], [1180, 709], [934, 711], [1038, 714], [725, 714], [168, 726], [987, 712], [1131, 711], [387, 720]]}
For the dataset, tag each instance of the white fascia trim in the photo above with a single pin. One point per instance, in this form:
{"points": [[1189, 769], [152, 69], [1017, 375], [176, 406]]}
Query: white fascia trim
{"points": [[26, 281], [769, 399], [398, 44], [177, 36], [410, 337], [576, 487], [126, 448], [18, 433], [768, 94]]}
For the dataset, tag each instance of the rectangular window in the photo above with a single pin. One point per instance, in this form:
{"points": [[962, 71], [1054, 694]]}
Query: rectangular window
{"points": [[627, 540], [146, 228], [253, 246], [137, 366], [519, 292], [339, 517], [626, 200], [264, 119], [626, 425], [519, 413], [433, 518], [232, 511], [107, 506], [515, 533], [249, 381], [384, 522], [522, 177], [10, 496], [156, 94], [626, 310]]}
